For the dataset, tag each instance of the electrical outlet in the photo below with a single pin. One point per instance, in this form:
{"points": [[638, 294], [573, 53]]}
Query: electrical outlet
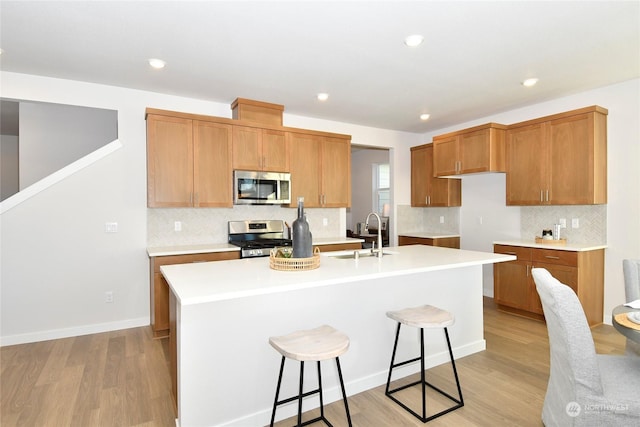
{"points": [[480, 220], [110, 227], [177, 226], [441, 219], [575, 223], [325, 221], [563, 223], [108, 297]]}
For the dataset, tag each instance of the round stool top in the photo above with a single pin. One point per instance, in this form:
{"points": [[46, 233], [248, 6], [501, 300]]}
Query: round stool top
{"points": [[426, 316], [316, 344]]}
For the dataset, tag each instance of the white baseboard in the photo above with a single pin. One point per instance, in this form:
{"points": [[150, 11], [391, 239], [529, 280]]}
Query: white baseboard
{"points": [[73, 332]]}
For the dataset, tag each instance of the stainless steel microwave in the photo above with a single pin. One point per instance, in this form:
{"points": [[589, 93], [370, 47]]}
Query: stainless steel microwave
{"points": [[261, 188]]}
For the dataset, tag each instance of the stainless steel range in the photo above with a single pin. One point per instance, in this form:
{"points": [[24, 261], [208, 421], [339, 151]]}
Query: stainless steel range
{"points": [[257, 238]]}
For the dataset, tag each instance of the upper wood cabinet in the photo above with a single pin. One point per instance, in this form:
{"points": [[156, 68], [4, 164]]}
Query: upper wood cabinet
{"points": [[427, 190], [558, 160], [320, 170], [188, 163], [260, 149], [473, 150]]}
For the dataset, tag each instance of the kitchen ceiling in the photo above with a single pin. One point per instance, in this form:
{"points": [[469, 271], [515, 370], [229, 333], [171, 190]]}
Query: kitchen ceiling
{"points": [[472, 62]]}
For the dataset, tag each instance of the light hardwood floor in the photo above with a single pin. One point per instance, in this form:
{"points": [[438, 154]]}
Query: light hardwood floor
{"points": [[121, 378]]}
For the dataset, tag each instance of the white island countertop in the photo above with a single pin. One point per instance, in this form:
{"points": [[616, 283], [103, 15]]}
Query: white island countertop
{"points": [[574, 247], [197, 283]]}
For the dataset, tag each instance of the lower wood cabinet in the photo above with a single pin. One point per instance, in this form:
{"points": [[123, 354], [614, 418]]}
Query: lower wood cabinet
{"points": [[445, 242], [583, 271], [160, 287]]}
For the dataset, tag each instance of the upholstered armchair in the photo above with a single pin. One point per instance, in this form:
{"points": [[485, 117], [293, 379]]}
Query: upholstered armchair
{"points": [[585, 388], [631, 269]]}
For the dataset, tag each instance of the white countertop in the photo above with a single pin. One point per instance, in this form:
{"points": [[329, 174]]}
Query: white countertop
{"points": [[226, 280], [574, 247], [428, 235], [226, 247]]}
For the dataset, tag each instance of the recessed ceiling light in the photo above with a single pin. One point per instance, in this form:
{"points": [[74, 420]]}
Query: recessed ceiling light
{"points": [[529, 82], [322, 96], [414, 40], [425, 116], [157, 63]]}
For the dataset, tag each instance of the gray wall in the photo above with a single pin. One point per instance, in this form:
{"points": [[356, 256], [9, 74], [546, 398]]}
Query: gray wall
{"points": [[53, 136]]}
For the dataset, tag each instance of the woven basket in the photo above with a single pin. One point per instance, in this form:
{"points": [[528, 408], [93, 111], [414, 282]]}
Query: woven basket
{"points": [[294, 264]]}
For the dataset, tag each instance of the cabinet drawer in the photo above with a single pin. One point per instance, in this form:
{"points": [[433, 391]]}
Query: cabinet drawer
{"points": [[523, 253], [186, 259], [550, 256]]}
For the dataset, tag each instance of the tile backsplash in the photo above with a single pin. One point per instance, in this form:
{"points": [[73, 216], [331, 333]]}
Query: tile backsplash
{"points": [[592, 221], [428, 220], [209, 225]]}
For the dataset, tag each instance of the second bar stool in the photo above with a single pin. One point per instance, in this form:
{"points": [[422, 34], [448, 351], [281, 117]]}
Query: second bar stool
{"points": [[317, 344], [426, 316]]}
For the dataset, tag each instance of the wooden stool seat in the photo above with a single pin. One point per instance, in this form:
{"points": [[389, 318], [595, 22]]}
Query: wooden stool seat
{"points": [[426, 316], [316, 345], [321, 343]]}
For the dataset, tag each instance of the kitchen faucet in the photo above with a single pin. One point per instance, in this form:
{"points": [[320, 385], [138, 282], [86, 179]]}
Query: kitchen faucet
{"points": [[377, 252]]}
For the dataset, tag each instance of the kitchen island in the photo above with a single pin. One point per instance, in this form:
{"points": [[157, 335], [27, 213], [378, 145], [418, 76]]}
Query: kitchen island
{"points": [[222, 314]]}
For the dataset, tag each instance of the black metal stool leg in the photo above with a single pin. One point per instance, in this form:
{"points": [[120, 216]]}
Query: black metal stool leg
{"points": [[275, 401], [344, 393], [300, 394], [453, 364], [423, 380]]}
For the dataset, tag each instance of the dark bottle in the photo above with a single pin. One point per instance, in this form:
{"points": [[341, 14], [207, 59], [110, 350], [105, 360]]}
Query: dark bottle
{"points": [[301, 236]]}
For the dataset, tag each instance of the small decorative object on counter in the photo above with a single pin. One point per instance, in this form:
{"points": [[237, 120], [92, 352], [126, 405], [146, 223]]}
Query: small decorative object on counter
{"points": [[301, 235], [547, 234], [279, 261], [556, 231]]}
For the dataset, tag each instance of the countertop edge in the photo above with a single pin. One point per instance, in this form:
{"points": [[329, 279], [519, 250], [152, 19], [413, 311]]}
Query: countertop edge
{"points": [[572, 247]]}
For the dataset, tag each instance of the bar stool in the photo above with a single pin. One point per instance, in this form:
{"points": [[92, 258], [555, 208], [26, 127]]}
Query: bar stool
{"points": [[426, 316], [317, 344]]}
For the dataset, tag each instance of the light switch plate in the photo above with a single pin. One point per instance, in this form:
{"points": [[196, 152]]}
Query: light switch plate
{"points": [[575, 223], [563, 222], [110, 227]]}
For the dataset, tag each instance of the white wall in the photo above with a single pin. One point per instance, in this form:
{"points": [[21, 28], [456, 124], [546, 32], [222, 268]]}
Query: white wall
{"points": [[9, 171], [53, 136], [484, 195]]}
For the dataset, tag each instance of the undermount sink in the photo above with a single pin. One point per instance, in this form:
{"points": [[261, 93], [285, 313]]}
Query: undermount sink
{"points": [[364, 253]]}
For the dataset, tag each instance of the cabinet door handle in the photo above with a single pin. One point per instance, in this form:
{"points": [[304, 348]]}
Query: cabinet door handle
{"points": [[547, 195], [541, 196], [429, 200], [552, 257], [528, 268], [511, 253]]}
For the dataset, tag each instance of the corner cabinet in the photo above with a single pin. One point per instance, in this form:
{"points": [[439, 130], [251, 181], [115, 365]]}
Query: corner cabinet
{"points": [[427, 190], [558, 160], [474, 150], [260, 149], [515, 290], [188, 163], [320, 167]]}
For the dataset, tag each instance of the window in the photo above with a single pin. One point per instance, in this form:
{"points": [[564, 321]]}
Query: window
{"points": [[381, 186]]}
